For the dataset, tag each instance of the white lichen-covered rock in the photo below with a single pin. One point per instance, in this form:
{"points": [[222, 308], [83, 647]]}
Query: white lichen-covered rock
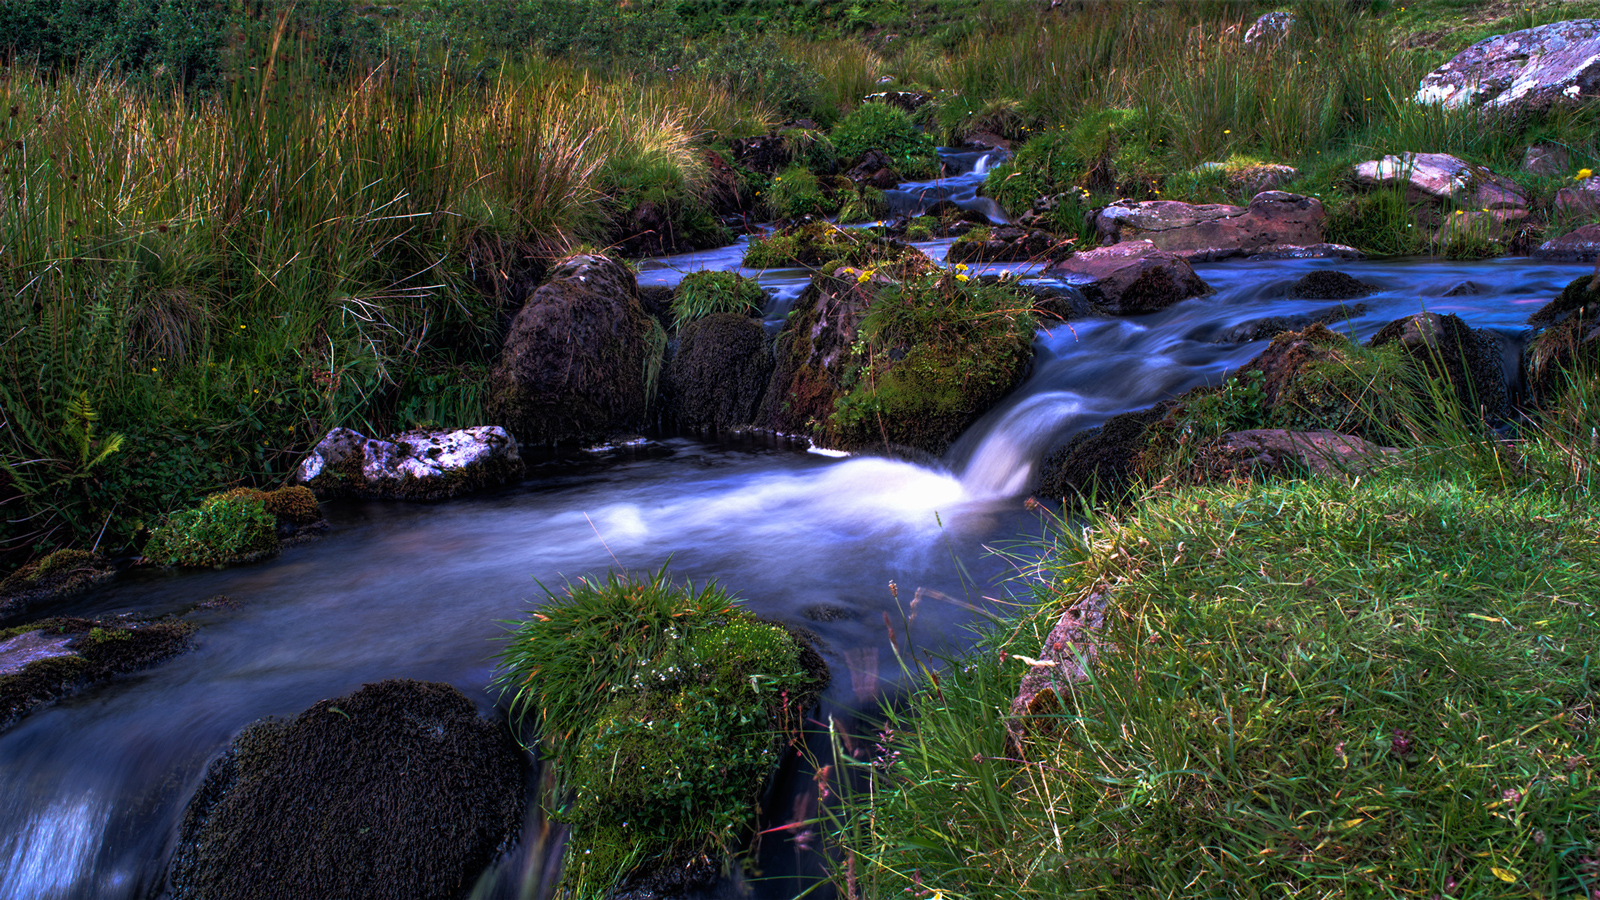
{"points": [[1534, 68], [416, 465], [1440, 176], [1270, 29]]}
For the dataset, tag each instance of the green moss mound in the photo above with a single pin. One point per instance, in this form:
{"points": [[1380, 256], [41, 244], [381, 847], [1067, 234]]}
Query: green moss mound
{"points": [[825, 246], [225, 529], [879, 126], [707, 292], [932, 355], [99, 650], [664, 709], [399, 790]]}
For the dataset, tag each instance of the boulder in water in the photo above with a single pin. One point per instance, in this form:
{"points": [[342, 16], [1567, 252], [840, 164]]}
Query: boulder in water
{"points": [[1446, 347], [52, 578], [399, 790], [1531, 69], [576, 365], [1131, 278], [1328, 284], [415, 465], [1214, 230], [1570, 337], [716, 379], [1006, 244]]}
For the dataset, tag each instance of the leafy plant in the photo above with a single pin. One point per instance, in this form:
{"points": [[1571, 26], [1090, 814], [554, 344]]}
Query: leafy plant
{"points": [[225, 529], [879, 126]]}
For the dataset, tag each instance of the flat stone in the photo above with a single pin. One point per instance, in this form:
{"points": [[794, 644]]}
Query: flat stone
{"points": [[31, 646], [1534, 68], [1213, 231], [1275, 451]]}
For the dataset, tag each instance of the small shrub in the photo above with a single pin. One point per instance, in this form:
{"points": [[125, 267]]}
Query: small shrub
{"points": [[224, 529], [795, 192], [702, 293], [663, 708], [878, 126]]}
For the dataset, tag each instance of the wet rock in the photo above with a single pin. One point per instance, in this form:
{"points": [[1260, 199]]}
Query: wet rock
{"points": [[1569, 336], [62, 574], [1275, 452], [1464, 289], [573, 368], [1546, 159], [1578, 245], [1446, 347], [1100, 464], [399, 790], [1131, 277], [1214, 230], [1008, 245], [1308, 251], [1270, 29], [717, 377], [1533, 69], [415, 465], [765, 154], [1069, 650], [1433, 177], [1327, 284], [874, 168], [46, 660], [1272, 326]]}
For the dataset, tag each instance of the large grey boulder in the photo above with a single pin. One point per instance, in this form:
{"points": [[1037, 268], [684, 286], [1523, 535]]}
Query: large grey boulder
{"points": [[1214, 231], [416, 465], [1131, 277], [1434, 177], [1529, 69], [576, 364]]}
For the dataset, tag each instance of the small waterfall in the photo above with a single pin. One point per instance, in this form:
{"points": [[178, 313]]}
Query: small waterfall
{"points": [[49, 856], [981, 167]]}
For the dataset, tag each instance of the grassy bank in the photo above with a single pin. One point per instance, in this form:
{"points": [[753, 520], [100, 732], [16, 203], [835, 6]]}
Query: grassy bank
{"points": [[229, 227], [1373, 687]]}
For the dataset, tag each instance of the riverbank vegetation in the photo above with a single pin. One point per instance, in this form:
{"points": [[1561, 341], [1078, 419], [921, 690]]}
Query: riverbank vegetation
{"points": [[1380, 686], [229, 227]]}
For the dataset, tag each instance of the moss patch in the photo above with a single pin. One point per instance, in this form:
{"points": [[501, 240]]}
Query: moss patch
{"points": [[719, 373], [225, 529], [824, 245], [54, 577], [100, 650], [665, 709], [399, 790]]}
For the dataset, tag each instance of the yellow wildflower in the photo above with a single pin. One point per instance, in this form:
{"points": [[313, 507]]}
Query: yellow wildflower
{"points": [[1583, 174]]}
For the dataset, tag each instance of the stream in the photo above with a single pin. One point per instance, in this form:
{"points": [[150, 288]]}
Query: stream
{"points": [[91, 789]]}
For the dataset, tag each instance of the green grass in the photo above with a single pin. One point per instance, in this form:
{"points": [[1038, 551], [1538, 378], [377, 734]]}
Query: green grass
{"points": [[663, 709], [704, 293]]}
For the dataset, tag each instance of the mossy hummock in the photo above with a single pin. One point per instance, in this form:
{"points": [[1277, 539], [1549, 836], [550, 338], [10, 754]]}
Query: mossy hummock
{"points": [[664, 709], [43, 661]]}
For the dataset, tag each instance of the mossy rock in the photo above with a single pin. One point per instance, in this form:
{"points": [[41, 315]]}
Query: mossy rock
{"points": [[1327, 284], [399, 790], [293, 507], [1101, 464], [1569, 343], [70, 654], [226, 529], [665, 709], [52, 578], [1447, 349], [716, 379], [819, 244]]}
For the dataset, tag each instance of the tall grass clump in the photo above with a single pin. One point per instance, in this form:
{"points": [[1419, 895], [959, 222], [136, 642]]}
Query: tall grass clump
{"points": [[705, 293], [663, 709]]}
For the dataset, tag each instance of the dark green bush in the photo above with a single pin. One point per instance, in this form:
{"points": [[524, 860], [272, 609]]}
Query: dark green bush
{"points": [[224, 529]]}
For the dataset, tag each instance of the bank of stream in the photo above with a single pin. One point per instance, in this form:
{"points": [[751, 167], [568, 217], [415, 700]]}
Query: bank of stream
{"points": [[93, 787]]}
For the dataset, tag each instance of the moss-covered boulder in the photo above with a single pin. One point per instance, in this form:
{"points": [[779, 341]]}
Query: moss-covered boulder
{"points": [[1569, 339], [579, 359], [665, 709], [1330, 284], [44, 661], [1100, 463], [818, 244], [399, 790], [226, 529], [872, 363], [59, 575], [717, 378], [1470, 361], [414, 465]]}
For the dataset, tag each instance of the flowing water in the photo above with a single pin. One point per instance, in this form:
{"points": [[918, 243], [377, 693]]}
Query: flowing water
{"points": [[91, 789]]}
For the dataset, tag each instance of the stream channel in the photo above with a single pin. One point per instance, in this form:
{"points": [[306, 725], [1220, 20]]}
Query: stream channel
{"points": [[91, 789]]}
